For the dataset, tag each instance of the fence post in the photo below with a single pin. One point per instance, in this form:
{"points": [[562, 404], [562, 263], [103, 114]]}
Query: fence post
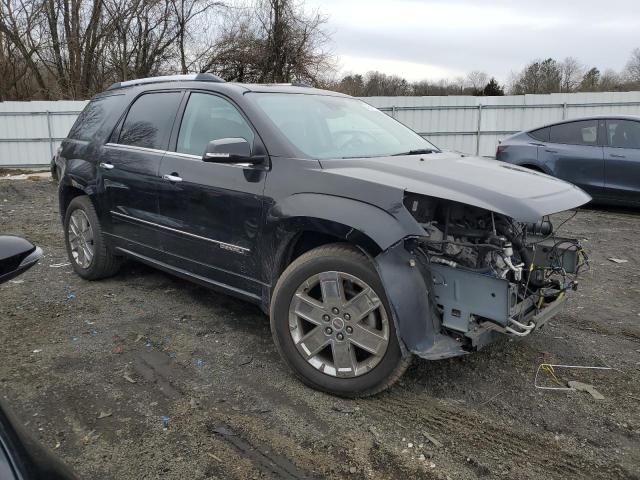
{"points": [[479, 129], [393, 111], [564, 111], [49, 133]]}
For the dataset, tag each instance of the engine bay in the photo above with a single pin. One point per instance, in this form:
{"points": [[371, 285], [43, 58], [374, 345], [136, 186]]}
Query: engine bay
{"points": [[489, 272]]}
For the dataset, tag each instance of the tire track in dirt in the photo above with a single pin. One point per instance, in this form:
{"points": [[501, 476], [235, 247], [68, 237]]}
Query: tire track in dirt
{"points": [[263, 458], [487, 438]]}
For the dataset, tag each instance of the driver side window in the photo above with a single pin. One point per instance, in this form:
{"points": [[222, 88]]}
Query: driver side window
{"points": [[209, 117]]}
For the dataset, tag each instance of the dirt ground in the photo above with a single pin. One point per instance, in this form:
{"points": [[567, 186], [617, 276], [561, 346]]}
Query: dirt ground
{"points": [[147, 376]]}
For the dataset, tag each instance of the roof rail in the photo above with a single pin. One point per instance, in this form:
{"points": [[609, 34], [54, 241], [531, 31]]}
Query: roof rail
{"points": [[295, 83], [198, 77], [300, 83]]}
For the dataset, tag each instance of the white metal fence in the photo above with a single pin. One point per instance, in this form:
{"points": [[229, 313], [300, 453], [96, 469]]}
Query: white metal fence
{"points": [[31, 131], [475, 125]]}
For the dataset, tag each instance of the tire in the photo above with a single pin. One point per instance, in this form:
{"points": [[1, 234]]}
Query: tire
{"points": [[103, 263], [363, 373]]}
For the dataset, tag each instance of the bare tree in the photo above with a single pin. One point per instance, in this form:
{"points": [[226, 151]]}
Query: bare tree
{"points": [[19, 23], [186, 12], [274, 41], [477, 80], [632, 69], [610, 81], [540, 76], [571, 72], [379, 84]]}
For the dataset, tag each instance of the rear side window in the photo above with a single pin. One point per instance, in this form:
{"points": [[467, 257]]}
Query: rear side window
{"points": [[209, 117], [149, 120], [92, 117], [623, 133], [584, 132], [541, 134]]}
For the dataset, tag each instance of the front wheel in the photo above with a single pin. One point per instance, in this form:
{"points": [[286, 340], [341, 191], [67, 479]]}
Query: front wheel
{"points": [[332, 324]]}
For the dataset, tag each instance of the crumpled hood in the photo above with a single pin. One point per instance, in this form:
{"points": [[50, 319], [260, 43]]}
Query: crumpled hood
{"points": [[500, 187]]}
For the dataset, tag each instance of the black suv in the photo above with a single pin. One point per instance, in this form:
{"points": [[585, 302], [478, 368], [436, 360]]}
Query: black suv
{"points": [[363, 242]]}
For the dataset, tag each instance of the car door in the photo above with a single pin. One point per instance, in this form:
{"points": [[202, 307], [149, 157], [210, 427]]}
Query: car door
{"points": [[575, 154], [622, 161], [128, 170], [211, 212]]}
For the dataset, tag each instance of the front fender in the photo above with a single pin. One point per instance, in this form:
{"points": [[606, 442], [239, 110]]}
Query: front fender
{"points": [[383, 228]]}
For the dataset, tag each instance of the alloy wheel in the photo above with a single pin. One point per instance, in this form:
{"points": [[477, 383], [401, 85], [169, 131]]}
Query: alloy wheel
{"points": [[81, 238], [339, 324]]}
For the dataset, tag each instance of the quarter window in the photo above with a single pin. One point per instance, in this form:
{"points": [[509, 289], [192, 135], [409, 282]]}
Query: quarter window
{"points": [[623, 133], [149, 121], [541, 134], [209, 117], [92, 117], [575, 133]]}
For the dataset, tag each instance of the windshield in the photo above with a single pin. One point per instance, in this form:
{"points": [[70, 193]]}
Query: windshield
{"points": [[324, 127]]}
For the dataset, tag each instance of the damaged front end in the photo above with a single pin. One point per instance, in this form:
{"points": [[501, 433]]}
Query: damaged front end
{"points": [[475, 275]]}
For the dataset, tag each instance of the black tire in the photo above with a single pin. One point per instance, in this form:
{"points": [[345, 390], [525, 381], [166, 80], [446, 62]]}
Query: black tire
{"points": [[347, 259], [104, 263]]}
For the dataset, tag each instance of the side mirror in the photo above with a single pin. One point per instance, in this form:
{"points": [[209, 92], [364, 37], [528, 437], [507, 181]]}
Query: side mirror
{"points": [[16, 256], [230, 150]]}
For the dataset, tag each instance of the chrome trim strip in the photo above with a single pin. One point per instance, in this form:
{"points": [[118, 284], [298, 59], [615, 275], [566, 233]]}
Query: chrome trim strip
{"points": [[196, 157], [185, 155], [186, 273], [134, 147], [223, 245]]}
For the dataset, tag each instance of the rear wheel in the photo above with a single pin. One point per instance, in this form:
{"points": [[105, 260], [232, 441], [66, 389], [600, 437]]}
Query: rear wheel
{"points": [[332, 324], [87, 248]]}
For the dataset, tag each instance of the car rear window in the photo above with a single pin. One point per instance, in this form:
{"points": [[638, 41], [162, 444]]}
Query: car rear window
{"points": [[149, 120], [584, 132], [92, 117]]}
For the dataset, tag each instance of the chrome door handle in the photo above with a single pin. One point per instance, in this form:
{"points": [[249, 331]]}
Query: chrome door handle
{"points": [[613, 155], [548, 150], [172, 178], [106, 166]]}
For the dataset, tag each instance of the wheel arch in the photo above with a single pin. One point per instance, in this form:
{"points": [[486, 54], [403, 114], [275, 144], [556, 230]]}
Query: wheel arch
{"points": [[305, 234], [305, 221], [68, 190]]}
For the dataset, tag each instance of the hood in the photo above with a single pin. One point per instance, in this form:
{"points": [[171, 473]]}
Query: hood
{"points": [[500, 187]]}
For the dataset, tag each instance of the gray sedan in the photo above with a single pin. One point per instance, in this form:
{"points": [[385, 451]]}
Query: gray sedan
{"points": [[601, 155]]}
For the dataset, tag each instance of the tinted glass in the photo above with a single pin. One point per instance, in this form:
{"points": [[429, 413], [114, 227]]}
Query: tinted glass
{"points": [[623, 133], [324, 127], [148, 123], [541, 134], [92, 117], [207, 118], [575, 133]]}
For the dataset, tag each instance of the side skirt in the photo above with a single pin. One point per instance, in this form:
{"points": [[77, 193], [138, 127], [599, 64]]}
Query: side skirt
{"points": [[179, 272]]}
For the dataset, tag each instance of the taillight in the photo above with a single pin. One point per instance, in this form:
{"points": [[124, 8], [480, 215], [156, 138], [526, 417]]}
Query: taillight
{"points": [[500, 149]]}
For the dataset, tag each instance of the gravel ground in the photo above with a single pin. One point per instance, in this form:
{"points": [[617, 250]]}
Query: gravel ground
{"points": [[147, 376]]}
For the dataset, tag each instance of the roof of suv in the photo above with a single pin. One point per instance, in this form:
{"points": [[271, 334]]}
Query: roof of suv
{"points": [[213, 79]]}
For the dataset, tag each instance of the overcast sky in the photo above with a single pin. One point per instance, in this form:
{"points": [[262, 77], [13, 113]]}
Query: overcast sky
{"points": [[420, 39]]}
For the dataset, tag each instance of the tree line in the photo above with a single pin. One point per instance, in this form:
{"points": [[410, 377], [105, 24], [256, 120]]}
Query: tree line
{"points": [[72, 49], [539, 76]]}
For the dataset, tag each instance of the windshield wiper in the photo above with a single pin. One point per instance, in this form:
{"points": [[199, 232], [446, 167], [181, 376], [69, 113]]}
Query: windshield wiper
{"points": [[418, 151]]}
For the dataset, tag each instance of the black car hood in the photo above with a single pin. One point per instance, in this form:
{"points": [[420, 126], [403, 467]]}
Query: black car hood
{"points": [[500, 187]]}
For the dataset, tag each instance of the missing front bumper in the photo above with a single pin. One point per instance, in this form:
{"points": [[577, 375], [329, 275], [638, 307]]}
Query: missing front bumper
{"points": [[443, 312]]}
